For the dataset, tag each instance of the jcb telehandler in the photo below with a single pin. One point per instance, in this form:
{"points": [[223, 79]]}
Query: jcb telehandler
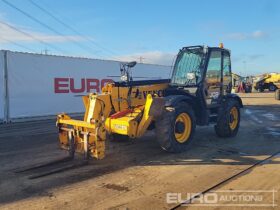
{"points": [[197, 94]]}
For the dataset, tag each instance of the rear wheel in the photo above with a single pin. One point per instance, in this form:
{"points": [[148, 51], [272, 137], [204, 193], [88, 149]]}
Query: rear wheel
{"points": [[175, 130], [228, 119], [272, 87], [248, 89]]}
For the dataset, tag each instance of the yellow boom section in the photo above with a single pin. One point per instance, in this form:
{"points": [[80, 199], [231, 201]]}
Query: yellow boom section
{"points": [[116, 110]]}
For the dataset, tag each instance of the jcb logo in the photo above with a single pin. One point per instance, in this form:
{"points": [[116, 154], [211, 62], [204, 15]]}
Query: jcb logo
{"points": [[143, 94], [84, 85]]}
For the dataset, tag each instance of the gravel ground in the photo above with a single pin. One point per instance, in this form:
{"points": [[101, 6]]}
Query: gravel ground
{"points": [[138, 174]]}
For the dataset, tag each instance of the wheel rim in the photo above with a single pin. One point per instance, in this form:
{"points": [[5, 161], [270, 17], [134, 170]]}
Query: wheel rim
{"points": [[272, 88], [233, 118], [184, 120]]}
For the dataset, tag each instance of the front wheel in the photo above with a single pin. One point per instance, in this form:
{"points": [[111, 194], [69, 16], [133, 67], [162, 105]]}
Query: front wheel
{"points": [[119, 137], [228, 119], [176, 128], [272, 87]]}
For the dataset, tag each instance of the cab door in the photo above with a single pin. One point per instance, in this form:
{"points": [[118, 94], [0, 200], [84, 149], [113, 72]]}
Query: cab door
{"points": [[227, 76], [213, 79]]}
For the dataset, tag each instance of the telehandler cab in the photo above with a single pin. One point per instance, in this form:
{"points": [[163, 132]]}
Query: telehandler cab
{"points": [[199, 93]]}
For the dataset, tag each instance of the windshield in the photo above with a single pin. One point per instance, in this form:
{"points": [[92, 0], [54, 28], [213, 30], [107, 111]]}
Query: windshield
{"points": [[188, 67]]}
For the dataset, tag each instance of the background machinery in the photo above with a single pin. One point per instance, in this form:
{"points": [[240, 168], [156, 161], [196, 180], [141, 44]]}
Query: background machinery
{"points": [[197, 94], [241, 84], [269, 81]]}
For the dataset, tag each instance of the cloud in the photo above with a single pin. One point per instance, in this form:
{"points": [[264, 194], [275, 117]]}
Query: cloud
{"points": [[8, 34], [245, 36], [255, 56], [258, 34], [152, 57]]}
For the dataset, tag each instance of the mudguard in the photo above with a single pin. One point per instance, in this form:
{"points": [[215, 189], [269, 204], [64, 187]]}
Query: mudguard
{"points": [[201, 113], [175, 99], [236, 97]]}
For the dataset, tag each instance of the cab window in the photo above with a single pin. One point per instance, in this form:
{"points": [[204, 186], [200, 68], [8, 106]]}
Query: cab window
{"points": [[227, 72], [213, 74]]}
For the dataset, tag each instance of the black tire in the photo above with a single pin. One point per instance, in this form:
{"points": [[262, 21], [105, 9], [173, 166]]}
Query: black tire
{"points": [[223, 126], [165, 128], [247, 89], [272, 87], [119, 137], [250, 90], [277, 94], [260, 89]]}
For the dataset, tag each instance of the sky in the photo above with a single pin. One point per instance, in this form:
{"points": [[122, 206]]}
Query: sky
{"points": [[154, 30]]}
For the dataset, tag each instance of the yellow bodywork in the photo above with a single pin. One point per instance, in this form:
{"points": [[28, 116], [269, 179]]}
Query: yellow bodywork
{"points": [[117, 110], [270, 78], [273, 78]]}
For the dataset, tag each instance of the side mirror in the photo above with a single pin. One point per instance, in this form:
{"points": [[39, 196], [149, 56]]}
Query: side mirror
{"points": [[126, 74]]}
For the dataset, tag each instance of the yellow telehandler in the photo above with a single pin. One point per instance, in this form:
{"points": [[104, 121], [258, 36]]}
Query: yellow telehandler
{"points": [[198, 93]]}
